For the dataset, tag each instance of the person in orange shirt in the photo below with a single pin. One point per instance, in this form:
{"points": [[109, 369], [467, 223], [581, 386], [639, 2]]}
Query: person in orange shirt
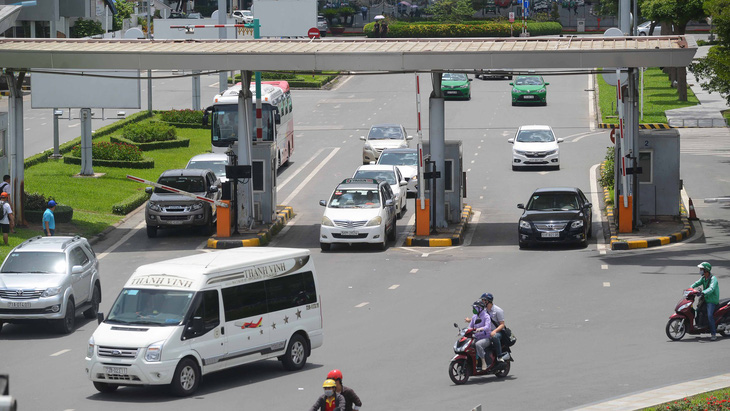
{"points": [[330, 400]]}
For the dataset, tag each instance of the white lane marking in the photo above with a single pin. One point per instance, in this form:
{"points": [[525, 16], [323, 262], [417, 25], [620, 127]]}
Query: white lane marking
{"points": [[591, 102], [404, 234], [468, 170], [424, 254], [341, 83], [472, 161], [597, 216], [56, 354], [481, 197], [288, 179], [74, 125], [394, 286], [471, 228], [121, 241], [604, 267], [415, 270], [587, 135], [606, 284], [310, 176], [362, 305]]}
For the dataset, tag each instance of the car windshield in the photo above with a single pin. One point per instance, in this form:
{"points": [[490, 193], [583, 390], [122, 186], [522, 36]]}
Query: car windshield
{"points": [[191, 184], [529, 81], [41, 262], [454, 77], [355, 198], [535, 136], [217, 166], [398, 159], [385, 133], [382, 175], [155, 307], [553, 202]]}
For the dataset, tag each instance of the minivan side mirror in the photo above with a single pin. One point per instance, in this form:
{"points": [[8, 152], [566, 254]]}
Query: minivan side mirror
{"points": [[511, 84], [588, 205], [323, 203], [389, 203], [547, 84], [213, 189], [362, 138], [197, 325], [99, 317], [560, 140], [149, 190], [409, 137], [511, 140], [520, 205]]}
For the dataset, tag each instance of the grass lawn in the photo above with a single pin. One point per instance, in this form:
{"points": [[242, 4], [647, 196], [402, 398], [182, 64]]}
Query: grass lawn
{"points": [[711, 401], [92, 198], [658, 97], [726, 114]]}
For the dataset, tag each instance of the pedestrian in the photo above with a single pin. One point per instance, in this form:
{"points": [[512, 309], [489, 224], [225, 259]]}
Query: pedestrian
{"points": [[330, 400], [711, 293], [384, 29], [376, 29], [5, 185], [49, 220], [7, 222], [364, 11], [352, 401]]}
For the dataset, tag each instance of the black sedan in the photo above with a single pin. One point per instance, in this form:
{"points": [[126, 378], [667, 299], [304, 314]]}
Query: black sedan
{"points": [[555, 215]]}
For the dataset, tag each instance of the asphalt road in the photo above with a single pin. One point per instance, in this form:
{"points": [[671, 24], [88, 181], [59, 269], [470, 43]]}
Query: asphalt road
{"points": [[589, 323]]}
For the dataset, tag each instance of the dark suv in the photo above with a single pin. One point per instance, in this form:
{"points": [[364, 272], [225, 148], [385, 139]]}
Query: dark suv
{"points": [[555, 215], [169, 209]]}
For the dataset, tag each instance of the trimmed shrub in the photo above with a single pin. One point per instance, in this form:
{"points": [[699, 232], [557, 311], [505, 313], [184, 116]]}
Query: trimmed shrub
{"points": [[470, 29], [182, 116], [153, 145], [111, 151], [130, 203], [143, 163], [149, 131], [608, 170], [62, 214], [35, 201]]}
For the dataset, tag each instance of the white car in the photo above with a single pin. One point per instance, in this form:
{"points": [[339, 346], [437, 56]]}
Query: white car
{"points": [[392, 176], [322, 26], [358, 211], [382, 136], [643, 29], [215, 162], [406, 160], [243, 16], [535, 146]]}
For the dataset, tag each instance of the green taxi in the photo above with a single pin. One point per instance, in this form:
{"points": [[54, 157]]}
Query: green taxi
{"points": [[455, 85], [529, 90]]}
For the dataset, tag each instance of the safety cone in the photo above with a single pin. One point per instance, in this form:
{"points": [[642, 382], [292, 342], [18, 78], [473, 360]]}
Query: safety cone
{"points": [[692, 214]]}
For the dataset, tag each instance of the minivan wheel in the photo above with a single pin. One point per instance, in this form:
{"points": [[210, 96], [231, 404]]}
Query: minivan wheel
{"points": [[95, 299], [151, 231], [186, 378], [296, 354], [67, 323]]}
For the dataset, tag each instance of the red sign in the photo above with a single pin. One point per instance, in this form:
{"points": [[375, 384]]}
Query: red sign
{"points": [[502, 3], [511, 16], [313, 33]]}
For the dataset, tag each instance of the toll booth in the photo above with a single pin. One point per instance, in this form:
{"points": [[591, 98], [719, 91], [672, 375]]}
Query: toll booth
{"points": [[659, 182], [4, 168], [454, 180], [263, 175]]}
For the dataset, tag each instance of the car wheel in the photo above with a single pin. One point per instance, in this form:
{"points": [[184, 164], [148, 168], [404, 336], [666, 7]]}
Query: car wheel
{"points": [[104, 387], [1, 325], [186, 378], [642, 33], [514, 104], [296, 354], [95, 299], [151, 231], [590, 230], [325, 246], [391, 235], [67, 323], [523, 244]]}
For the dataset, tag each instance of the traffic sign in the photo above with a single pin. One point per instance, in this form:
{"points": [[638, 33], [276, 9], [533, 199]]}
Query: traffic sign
{"points": [[511, 16], [313, 33]]}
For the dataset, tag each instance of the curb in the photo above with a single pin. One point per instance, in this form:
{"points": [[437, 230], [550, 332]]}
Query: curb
{"points": [[617, 244], [643, 126], [456, 239], [263, 237]]}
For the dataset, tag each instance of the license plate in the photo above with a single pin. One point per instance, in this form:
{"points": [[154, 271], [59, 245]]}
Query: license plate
{"points": [[528, 97], [115, 370], [452, 92], [352, 233], [19, 305], [175, 222], [549, 235]]}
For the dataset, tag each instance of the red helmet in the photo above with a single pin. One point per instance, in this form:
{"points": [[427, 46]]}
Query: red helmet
{"points": [[335, 375]]}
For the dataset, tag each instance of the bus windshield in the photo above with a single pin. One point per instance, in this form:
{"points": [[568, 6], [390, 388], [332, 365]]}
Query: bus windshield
{"points": [[150, 307], [225, 123]]}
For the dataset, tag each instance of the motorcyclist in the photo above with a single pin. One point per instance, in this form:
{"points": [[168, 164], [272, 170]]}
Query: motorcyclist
{"points": [[496, 314], [330, 400], [352, 401], [482, 326], [711, 293]]}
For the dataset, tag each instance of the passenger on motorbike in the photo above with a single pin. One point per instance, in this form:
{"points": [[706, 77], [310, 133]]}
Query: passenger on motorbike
{"points": [[496, 314], [711, 292], [482, 325]]}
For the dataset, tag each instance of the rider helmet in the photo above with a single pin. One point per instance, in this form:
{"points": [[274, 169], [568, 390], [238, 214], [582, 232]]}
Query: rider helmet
{"points": [[705, 266], [477, 307], [334, 375], [488, 297], [329, 383]]}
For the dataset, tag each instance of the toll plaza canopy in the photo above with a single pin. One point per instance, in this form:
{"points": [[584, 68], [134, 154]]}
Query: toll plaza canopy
{"points": [[390, 55]]}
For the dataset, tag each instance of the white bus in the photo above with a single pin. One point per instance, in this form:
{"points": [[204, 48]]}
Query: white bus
{"points": [[177, 320], [276, 115]]}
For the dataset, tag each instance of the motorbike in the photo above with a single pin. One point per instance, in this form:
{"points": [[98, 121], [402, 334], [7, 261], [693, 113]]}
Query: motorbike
{"points": [[464, 364], [686, 320]]}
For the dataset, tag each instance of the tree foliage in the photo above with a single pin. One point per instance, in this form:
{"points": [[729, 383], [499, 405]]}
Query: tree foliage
{"points": [[675, 12], [453, 11], [125, 9], [86, 28], [713, 71]]}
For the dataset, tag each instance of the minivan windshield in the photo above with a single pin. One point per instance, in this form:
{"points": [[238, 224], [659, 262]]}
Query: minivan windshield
{"points": [[355, 198], [40, 262], [151, 307], [191, 184]]}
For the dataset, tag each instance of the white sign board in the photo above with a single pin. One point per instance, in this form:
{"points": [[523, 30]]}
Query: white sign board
{"points": [[285, 18], [609, 73], [86, 89]]}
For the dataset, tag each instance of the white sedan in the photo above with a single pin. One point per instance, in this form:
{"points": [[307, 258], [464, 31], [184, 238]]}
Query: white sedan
{"points": [[406, 160], [535, 146], [392, 176]]}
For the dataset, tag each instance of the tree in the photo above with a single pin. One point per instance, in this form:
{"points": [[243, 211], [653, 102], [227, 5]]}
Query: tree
{"points": [[452, 11], [86, 28], [124, 11], [713, 71]]}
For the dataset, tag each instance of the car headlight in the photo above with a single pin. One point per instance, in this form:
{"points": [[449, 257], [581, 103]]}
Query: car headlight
{"points": [[525, 224], [375, 221], [520, 152], [551, 152], [90, 349], [542, 91], [197, 206], [51, 291], [576, 224], [154, 352], [368, 147], [518, 91], [154, 206], [327, 222]]}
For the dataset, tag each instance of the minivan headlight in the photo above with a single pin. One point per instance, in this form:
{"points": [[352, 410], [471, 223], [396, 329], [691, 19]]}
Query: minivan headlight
{"points": [[90, 349], [375, 221], [154, 352], [327, 222], [51, 291], [197, 206], [154, 206]]}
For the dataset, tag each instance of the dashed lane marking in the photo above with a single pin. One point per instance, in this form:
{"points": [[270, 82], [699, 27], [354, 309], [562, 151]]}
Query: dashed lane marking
{"points": [[362, 305], [604, 267], [606, 284], [56, 354], [394, 286], [415, 270]]}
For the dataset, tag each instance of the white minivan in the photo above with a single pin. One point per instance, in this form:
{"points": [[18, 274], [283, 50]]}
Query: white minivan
{"points": [[179, 319]]}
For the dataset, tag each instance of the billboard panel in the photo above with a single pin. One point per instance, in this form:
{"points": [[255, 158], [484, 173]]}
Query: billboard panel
{"points": [[86, 89], [285, 18]]}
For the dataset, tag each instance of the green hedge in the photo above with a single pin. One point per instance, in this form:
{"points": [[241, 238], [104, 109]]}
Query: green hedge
{"points": [[153, 145], [146, 163], [186, 116], [187, 125], [130, 203], [475, 29], [63, 214], [149, 131]]}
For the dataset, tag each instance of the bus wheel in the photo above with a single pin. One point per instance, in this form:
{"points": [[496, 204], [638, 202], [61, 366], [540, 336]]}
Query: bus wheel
{"points": [[296, 354]]}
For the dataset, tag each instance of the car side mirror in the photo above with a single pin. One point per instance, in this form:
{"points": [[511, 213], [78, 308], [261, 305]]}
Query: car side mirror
{"points": [[213, 189], [362, 138], [409, 137], [77, 269], [511, 140], [99, 317], [149, 190], [403, 182], [560, 140], [520, 205], [323, 203], [547, 84], [588, 205], [471, 79], [389, 203], [511, 84]]}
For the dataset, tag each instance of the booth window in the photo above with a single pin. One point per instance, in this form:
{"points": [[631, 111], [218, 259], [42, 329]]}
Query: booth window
{"points": [[448, 175], [646, 162], [2, 144], [257, 173]]}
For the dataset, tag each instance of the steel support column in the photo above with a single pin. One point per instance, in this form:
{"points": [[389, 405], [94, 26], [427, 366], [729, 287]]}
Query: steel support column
{"points": [[437, 147], [222, 14], [196, 91], [87, 168], [245, 125], [15, 143]]}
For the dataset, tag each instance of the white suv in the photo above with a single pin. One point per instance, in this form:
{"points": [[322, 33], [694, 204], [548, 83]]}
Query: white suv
{"points": [[382, 136], [50, 278], [243, 16]]}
